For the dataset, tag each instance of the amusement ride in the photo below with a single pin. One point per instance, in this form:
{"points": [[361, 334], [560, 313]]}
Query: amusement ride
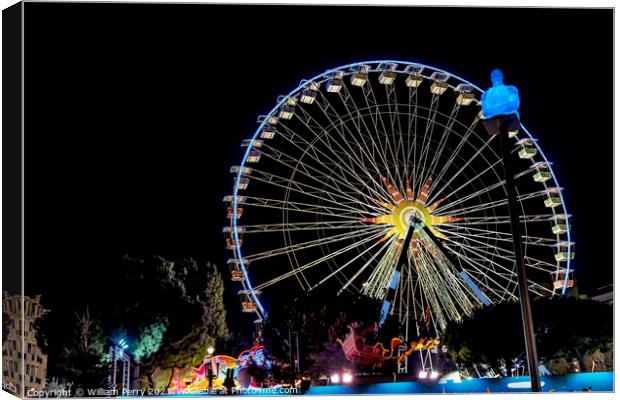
{"points": [[379, 178]]}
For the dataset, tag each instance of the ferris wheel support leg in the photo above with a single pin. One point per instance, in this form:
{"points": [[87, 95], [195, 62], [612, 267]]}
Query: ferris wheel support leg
{"points": [[505, 124], [387, 304], [474, 288], [402, 366]]}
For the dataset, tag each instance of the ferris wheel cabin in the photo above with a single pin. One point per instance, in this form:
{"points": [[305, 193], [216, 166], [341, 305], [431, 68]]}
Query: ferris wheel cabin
{"points": [[564, 251], [388, 76], [414, 75], [527, 149], [541, 172], [560, 224], [439, 85], [465, 95], [334, 85], [247, 300], [236, 274], [230, 204], [231, 243], [271, 120], [552, 197], [286, 111], [309, 92], [268, 132], [360, 76]]}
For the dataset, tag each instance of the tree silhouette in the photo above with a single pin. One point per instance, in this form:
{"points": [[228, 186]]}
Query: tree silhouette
{"points": [[565, 329]]}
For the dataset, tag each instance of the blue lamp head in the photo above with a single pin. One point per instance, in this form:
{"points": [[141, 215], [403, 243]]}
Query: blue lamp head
{"points": [[497, 77]]}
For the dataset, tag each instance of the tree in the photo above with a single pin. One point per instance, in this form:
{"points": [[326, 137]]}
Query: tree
{"points": [[565, 329], [168, 312], [80, 354], [175, 311]]}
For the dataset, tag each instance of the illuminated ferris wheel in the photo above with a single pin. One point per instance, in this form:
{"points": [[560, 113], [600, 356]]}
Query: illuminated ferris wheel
{"points": [[333, 177]]}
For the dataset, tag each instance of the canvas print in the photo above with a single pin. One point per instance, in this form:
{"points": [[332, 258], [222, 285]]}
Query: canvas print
{"points": [[283, 200]]}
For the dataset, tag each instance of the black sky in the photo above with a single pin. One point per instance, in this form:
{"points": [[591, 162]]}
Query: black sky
{"points": [[134, 113]]}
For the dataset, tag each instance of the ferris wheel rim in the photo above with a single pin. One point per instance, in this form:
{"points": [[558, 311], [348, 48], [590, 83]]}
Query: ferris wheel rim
{"points": [[246, 282]]}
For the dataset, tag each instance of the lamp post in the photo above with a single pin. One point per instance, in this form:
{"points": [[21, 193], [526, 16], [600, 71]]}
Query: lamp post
{"points": [[210, 351], [500, 106]]}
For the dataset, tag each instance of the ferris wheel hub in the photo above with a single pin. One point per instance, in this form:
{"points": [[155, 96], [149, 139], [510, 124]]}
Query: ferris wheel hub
{"points": [[404, 213]]}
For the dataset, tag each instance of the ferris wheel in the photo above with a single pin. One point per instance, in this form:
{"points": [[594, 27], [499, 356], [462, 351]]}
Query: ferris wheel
{"points": [[331, 179]]}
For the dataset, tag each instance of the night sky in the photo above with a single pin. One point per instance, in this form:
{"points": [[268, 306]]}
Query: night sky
{"points": [[134, 114]]}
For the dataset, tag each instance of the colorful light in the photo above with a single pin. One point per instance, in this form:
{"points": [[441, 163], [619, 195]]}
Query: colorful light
{"points": [[398, 213]]}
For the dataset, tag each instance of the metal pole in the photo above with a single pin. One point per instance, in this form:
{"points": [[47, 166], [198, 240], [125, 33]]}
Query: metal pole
{"points": [[526, 310], [291, 356], [113, 377], [402, 366], [210, 377], [403, 253]]}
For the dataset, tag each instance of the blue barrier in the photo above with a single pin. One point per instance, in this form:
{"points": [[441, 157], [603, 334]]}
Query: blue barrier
{"points": [[597, 381]]}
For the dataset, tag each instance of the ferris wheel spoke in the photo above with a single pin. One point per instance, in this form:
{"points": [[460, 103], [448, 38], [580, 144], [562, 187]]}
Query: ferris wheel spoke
{"points": [[346, 98], [377, 148], [498, 219], [451, 276], [391, 172], [342, 165], [454, 285], [376, 232], [482, 249], [428, 288], [314, 173], [468, 184], [455, 153], [508, 255], [442, 142], [426, 143], [463, 294], [467, 163], [368, 262], [478, 269], [494, 204], [377, 283], [376, 118], [337, 198], [302, 226], [434, 291], [413, 125], [366, 265], [319, 261], [397, 137], [305, 208], [498, 235], [482, 191], [538, 289], [360, 163], [400, 140]]}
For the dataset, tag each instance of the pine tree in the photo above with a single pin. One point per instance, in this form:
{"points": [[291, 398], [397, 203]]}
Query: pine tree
{"points": [[84, 357], [214, 297]]}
